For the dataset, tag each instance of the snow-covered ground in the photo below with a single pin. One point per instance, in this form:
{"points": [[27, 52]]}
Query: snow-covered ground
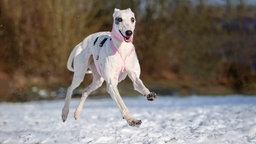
{"points": [[230, 119]]}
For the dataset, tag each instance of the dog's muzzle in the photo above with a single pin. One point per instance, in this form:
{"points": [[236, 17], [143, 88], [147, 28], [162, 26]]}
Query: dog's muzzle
{"points": [[128, 35]]}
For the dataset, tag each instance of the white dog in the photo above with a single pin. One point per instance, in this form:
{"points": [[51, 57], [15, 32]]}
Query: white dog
{"points": [[109, 56]]}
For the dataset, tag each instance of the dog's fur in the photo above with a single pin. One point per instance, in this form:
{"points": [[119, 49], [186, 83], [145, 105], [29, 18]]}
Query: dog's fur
{"points": [[105, 64]]}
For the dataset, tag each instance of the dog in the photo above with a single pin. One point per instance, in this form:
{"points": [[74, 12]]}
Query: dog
{"points": [[110, 57]]}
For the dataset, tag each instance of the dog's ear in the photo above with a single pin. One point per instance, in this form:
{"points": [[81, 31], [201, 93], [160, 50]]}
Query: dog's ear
{"points": [[116, 10], [129, 10]]}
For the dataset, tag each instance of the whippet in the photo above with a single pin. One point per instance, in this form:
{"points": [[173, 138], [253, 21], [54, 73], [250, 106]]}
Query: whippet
{"points": [[110, 57]]}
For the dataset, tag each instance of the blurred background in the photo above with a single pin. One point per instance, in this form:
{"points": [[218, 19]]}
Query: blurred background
{"points": [[185, 47]]}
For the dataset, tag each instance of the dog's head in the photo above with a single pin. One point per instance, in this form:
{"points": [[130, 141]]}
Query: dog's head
{"points": [[124, 24]]}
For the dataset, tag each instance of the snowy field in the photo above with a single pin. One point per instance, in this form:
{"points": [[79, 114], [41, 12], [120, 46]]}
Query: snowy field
{"points": [[191, 120]]}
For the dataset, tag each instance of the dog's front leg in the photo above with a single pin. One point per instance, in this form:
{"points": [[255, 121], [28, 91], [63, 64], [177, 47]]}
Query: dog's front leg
{"points": [[140, 87], [113, 91]]}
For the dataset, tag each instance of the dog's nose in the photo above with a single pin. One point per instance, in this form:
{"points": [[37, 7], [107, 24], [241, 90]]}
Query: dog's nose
{"points": [[128, 33]]}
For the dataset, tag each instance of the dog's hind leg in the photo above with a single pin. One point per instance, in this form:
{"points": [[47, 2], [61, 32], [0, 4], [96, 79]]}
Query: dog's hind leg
{"points": [[96, 83], [77, 79], [80, 68]]}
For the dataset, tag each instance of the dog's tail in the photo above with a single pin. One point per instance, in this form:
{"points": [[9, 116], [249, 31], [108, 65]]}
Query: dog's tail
{"points": [[71, 58]]}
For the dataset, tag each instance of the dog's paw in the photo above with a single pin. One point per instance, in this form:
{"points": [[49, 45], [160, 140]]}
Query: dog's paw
{"points": [[134, 122], [151, 96], [77, 114], [64, 114]]}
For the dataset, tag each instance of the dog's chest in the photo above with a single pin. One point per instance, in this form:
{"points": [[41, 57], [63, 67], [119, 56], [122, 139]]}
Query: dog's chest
{"points": [[112, 60]]}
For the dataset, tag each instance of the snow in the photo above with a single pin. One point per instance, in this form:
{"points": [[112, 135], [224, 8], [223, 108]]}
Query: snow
{"points": [[195, 119]]}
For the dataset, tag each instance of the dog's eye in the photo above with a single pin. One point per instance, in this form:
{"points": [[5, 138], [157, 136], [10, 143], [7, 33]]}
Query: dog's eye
{"points": [[118, 19], [133, 19]]}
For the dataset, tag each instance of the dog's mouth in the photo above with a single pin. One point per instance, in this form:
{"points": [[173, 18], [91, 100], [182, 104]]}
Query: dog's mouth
{"points": [[126, 38]]}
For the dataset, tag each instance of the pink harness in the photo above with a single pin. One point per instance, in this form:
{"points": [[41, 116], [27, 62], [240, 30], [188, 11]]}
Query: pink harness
{"points": [[118, 36]]}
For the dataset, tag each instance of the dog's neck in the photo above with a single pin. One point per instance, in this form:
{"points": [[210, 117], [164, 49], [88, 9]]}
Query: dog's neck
{"points": [[117, 39], [117, 43]]}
